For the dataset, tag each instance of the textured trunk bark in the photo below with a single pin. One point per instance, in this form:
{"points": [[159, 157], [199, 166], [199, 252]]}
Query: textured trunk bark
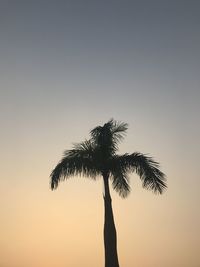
{"points": [[110, 236]]}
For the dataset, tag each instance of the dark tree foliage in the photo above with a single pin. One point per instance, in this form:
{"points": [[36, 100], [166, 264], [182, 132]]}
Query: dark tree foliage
{"points": [[97, 157]]}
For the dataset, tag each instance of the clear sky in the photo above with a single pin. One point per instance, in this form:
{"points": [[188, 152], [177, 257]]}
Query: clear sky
{"points": [[67, 66]]}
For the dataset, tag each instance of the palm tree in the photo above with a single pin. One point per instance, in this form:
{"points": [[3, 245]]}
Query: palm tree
{"points": [[97, 157]]}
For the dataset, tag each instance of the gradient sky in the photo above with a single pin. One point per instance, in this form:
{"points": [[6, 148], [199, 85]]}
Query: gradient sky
{"points": [[67, 66]]}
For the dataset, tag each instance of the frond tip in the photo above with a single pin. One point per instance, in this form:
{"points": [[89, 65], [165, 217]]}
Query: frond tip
{"points": [[147, 169], [121, 185], [150, 174], [77, 161]]}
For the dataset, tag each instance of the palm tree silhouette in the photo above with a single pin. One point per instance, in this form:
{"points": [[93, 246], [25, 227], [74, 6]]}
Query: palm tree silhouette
{"points": [[97, 156]]}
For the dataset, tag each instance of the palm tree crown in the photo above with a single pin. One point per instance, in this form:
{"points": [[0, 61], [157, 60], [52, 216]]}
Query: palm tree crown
{"points": [[97, 156]]}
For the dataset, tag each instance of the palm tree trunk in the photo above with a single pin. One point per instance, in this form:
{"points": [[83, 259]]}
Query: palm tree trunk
{"points": [[110, 236]]}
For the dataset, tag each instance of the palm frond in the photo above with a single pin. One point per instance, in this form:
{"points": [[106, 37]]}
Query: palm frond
{"points": [[120, 183], [84, 149], [108, 136], [77, 161], [147, 169], [119, 176], [118, 129]]}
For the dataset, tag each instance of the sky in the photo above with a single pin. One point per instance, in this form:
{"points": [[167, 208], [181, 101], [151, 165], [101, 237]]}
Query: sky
{"points": [[68, 66]]}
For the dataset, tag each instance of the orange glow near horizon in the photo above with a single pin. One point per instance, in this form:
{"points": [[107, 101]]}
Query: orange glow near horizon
{"points": [[65, 227]]}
